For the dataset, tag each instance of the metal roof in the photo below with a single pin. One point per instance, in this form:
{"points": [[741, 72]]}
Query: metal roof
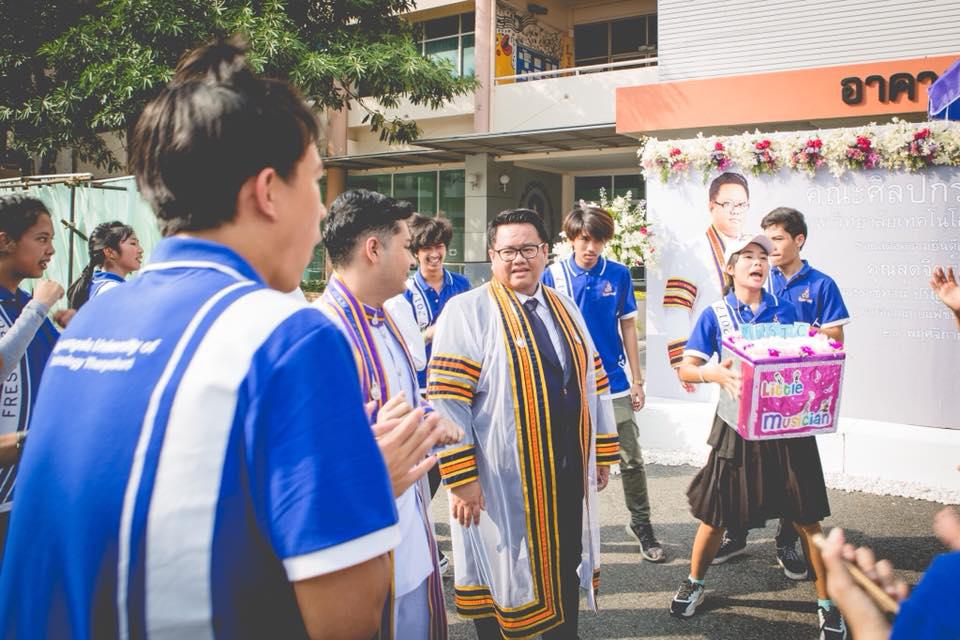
{"points": [[456, 148]]}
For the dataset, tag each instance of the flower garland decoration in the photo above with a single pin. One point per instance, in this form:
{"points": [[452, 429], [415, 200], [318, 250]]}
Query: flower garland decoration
{"points": [[633, 243], [675, 161], [764, 157], [897, 146], [718, 160], [808, 156]]}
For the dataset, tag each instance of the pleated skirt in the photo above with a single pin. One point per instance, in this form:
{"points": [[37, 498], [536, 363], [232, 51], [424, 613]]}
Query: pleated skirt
{"points": [[747, 482]]}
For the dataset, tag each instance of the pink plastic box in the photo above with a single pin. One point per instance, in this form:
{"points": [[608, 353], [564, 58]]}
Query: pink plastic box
{"points": [[783, 397]]}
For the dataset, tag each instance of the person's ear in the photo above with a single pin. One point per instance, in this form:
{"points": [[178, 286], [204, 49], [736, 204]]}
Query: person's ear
{"points": [[7, 244], [801, 240], [111, 254], [264, 192], [372, 248]]}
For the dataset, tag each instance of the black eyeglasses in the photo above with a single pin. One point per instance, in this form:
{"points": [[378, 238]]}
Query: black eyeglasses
{"points": [[528, 251], [728, 206]]}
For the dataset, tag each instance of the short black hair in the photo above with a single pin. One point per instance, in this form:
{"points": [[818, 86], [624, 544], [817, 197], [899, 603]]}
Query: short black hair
{"points": [[214, 126], [592, 221], [728, 177], [516, 216], [429, 232], [790, 219], [18, 213], [357, 214]]}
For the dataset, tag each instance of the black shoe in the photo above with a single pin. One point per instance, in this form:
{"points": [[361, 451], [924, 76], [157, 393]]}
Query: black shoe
{"points": [[688, 598], [650, 547], [729, 548], [793, 564], [443, 563], [832, 626]]}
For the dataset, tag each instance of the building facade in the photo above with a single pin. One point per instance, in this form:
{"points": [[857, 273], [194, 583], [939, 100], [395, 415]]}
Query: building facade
{"points": [[568, 87]]}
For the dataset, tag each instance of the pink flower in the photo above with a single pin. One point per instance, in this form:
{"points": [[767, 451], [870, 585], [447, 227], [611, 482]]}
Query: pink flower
{"points": [[675, 151], [920, 135], [763, 144], [643, 230], [773, 353], [718, 146]]}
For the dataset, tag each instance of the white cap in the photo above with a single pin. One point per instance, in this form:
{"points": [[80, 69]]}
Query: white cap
{"points": [[738, 245]]}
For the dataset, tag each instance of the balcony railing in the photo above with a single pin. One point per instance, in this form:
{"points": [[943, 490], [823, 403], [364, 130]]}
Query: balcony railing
{"points": [[579, 71]]}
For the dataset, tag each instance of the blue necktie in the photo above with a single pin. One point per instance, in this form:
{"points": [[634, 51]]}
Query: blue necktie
{"points": [[540, 333]]}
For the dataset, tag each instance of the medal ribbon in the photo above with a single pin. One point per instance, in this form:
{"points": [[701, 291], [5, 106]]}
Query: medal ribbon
{"points": [[373, 379]]}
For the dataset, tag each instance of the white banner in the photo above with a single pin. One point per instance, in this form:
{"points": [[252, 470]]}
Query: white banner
{"points": [[878, 234]]}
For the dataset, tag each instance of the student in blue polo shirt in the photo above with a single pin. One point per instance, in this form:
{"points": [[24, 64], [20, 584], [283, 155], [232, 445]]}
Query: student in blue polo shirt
{"points": [[603, 290], [818, 302], [200, 462], [431, 286], [747, 482], [26, 247], [115, 253]]}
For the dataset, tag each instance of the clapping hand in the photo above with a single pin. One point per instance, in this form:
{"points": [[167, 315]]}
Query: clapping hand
{"points": [[404, 444]]}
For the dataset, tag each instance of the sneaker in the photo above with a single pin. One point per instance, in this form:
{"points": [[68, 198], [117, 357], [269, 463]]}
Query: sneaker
{"points": [[729, 548], [443, 564], [688, 598], [793, 564], [650, 547], [832, 626]]}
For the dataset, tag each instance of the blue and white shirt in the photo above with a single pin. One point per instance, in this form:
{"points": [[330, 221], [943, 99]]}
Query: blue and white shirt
{"points": [[198, 443], [427, 304], [707, 334], [605, 297], [815, 295], [18, 392], [102, 282]]}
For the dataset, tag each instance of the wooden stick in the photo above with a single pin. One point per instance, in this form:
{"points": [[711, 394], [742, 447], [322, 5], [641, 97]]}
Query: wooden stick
{"points": [[878, 595]]}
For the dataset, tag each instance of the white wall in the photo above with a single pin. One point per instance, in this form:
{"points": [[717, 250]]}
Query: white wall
{"points": [[701, 38], [563, 102]]}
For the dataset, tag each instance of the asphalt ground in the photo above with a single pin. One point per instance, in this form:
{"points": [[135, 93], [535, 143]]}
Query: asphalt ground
{"points": [[748, 597]]}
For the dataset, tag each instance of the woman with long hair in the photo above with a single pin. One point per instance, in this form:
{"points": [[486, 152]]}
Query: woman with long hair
{"points": [[115, 252], [26, 247]]}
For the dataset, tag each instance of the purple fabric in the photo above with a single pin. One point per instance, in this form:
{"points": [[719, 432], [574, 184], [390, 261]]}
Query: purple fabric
{"points": [[945, 90]]}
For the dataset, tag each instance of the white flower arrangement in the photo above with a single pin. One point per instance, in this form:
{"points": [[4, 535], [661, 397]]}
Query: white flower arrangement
{"points": [[634, 243], [898, 146]]}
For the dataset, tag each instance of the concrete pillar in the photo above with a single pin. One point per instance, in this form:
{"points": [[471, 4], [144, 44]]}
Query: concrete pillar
{"points": [[336, 146], [486, 16]]}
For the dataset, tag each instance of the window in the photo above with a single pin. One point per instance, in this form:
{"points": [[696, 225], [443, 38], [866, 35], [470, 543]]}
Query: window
{"points": [[430, 192], [616, 40], [587, 188], [450, 38]]}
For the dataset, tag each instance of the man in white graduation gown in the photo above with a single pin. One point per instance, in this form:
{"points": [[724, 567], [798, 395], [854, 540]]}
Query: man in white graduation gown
{"points": [[368, 242], [513, 365]]}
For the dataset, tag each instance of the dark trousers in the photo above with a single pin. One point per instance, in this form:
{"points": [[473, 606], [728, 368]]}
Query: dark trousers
{"points": [[570, 524]]}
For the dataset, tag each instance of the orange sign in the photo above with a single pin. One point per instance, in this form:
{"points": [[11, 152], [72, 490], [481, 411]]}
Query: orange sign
{"points": [[847, 91]]}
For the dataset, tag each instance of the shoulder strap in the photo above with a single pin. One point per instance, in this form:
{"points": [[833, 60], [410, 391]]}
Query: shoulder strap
{"points": [[420, 307], [727, 325], [560, 281]]}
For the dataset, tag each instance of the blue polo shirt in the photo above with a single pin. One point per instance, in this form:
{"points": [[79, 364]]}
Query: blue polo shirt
{"points": [[706, 336], [814, 294], [927, 613], [19, 390], [103, 281], [187, 463], [427, 304], [604, 295]]}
